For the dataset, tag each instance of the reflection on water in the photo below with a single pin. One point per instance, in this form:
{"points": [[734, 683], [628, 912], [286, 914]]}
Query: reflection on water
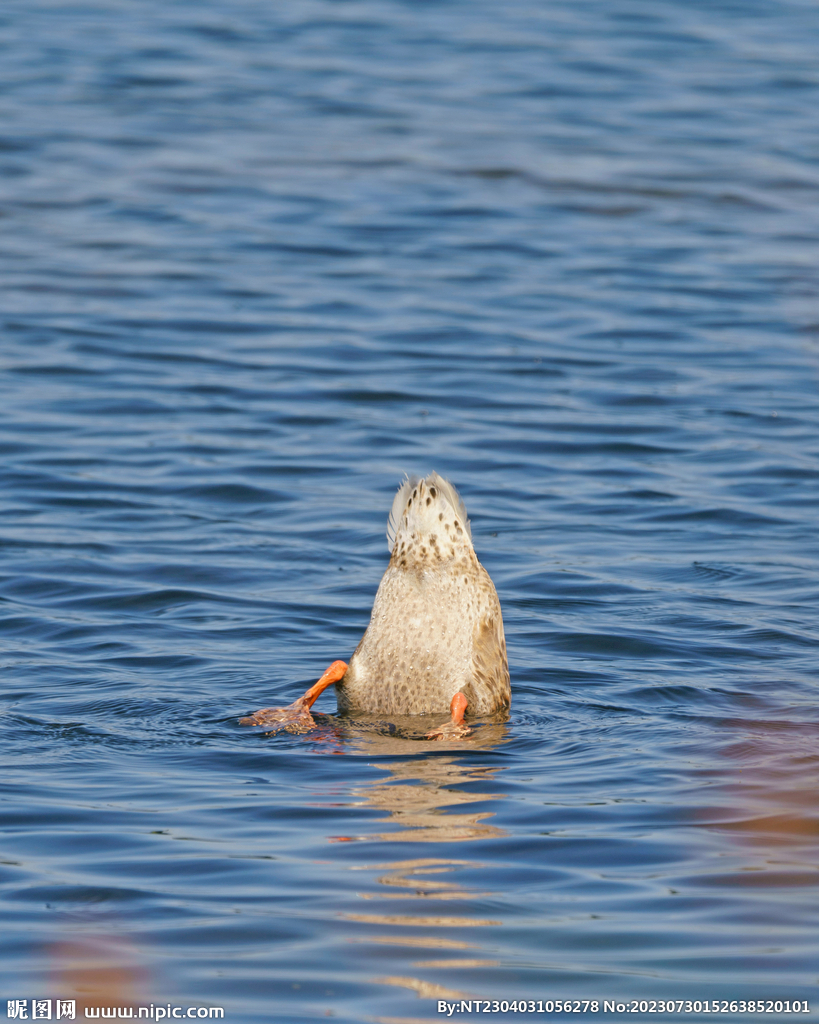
{"points": [[771, 794], [99, 970], [418, 796], [416, 793], [424, 989]]}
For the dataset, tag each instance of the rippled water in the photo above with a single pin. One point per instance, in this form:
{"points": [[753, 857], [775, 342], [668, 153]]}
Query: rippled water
{"points": [[257, 260]]}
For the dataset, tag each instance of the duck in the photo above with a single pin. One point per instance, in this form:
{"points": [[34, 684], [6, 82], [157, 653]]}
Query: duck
{"points": [[435, 640]]}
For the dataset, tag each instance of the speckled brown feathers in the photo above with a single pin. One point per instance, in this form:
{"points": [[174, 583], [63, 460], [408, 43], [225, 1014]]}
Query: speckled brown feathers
{"points": [[436, 625]]}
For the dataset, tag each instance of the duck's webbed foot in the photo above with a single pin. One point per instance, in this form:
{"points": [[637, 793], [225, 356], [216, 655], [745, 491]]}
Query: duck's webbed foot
{"points": [[296, 717], [455, 728]]}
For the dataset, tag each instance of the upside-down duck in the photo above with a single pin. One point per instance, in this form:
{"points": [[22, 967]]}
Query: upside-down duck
{"points": [[435, 640]]}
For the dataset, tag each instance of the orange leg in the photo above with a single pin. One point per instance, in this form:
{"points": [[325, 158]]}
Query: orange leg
{"points": [[455, 728], [296, 717]]}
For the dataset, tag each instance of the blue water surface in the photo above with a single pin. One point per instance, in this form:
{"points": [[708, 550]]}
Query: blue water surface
{"points": [[257, 261]]}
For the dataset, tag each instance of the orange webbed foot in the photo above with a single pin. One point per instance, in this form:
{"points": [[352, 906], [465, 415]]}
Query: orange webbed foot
{"points": [[296, 717], [455, 728]]}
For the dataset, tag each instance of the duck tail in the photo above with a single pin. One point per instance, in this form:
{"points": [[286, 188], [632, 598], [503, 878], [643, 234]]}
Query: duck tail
{"points": [[398, 506], [439, 487]]}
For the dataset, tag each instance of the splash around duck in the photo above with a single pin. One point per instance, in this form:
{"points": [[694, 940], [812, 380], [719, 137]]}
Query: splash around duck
{"points": [[435, 640]]}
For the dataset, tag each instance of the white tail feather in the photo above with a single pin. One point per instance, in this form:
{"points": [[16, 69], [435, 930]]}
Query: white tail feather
{"points": [[399, 504], [397, 510]]}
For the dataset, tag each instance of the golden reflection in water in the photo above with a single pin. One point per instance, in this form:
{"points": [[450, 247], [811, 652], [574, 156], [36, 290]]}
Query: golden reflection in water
{"points": [[423, 941], [771, 792], [429, 800], [416, 791], [98, 970]]}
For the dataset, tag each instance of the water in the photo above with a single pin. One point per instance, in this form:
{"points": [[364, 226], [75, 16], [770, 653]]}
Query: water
{"points": [[259, 260]]}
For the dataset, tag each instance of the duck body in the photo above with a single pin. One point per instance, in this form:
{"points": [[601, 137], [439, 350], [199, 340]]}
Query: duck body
{"points": [[435, 640], [436, 627]]}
